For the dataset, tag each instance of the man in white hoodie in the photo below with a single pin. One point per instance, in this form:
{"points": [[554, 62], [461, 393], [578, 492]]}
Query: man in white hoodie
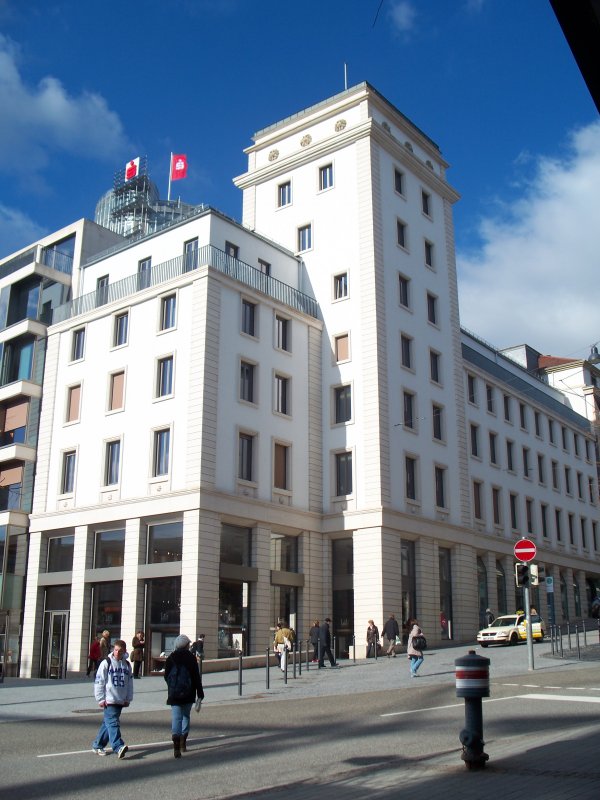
{"points": [[113, 689]]}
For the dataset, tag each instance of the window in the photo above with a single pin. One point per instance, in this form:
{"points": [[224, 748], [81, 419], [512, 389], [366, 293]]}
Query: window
{"points": [[281, 466], [264, 267], [551, 430], [432, 308], [440, 487], [78, 344], [284, 194], [587, 449], [571, 520], [232, 250], [544, 518], [426, 203], [116, 391], [168, 307], [409, 410], [342, 347], [523, 415], [565, 440], [428, 253], [60, 554], [538, 423], [325, 177], [304, 238], [343, 404], [410, 469], [583, 528], [595, 534], [399, 181], [109, 548], [506, 408], [475, 440], [434, 366], [247, 382], [558, 521], [477, 505], [160, 457], [401, 233], [437, 422], [489, 393], [541, 469], [493, 454], [568, 487], [246, 457], [576, 444], [510, 466], [144, 273], [591, 490], [514, 516], [248, 318], [340, 286], [529, 514], [190, 255], [165, 543], [164, 377], [497, 506], [343, 474], [526, 462], [121, 329], [73, 403], [112, 461], [102, 290], [406, 351], [67, 483], [472, 389], [282, 392], [555, 474], [580, 485], [282, 333], [404, 288]]}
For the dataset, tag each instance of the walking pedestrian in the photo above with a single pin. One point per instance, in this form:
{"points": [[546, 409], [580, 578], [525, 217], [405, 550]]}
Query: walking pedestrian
{"points": [[137, 653], [94, 657], [104, 644], [113, 690], [391, 631], [372, 639], [489, 617], [415, 654], [184, 686], [313, 636], [282, 643], [325, 642], [197, 649]]}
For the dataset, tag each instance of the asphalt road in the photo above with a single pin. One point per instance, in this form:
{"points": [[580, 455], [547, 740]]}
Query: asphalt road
{"points": [[340, 739]]}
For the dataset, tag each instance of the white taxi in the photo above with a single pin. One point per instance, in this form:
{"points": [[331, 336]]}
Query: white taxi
{"points": [[511, 629]]}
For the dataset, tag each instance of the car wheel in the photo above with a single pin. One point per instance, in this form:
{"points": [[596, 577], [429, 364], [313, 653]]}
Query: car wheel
{"points": [[513, 638], [484, 644]]}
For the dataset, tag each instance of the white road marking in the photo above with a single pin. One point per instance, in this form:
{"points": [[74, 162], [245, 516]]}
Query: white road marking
{"points": [[442, 708], [565, 697], [131, 746]]}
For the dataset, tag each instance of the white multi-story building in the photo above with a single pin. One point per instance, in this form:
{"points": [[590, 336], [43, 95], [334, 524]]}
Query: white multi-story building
{"points": [[283, 418]]}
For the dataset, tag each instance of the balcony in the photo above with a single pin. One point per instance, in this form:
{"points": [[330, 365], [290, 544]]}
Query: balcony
{"points": [[209, 256]]}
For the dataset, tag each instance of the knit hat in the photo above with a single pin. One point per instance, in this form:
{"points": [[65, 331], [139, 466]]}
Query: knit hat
{"points": [[182, 642]]}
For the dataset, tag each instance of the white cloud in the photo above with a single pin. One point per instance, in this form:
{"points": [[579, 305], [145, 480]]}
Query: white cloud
{"points": [[535, 277], [403, 15], [45, 119], [16, 229]]}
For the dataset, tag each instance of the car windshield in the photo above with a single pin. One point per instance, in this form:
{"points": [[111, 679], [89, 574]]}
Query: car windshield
{"points": [[501, 622]]}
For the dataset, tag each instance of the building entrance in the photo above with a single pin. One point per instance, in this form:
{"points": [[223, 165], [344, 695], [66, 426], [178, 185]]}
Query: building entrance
{"points": [[54, 644]]}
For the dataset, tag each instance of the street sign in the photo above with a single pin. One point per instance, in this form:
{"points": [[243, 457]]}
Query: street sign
{"points": [[525, 550]]}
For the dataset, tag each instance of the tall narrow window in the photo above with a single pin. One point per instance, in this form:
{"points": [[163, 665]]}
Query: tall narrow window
{"points": [[404, 287], [102, 290], [340, 286], [472, 389], [477, 507], [510, 465], [232, 250], [116, 391], [410, 468], [558, 521], [160, 460], [526, 462], [507, 408], [475, 440], [342, 347], [73, 403], [281, 466], [248, 318], [304, 238], [343, 404], [78, 344], [489, 393], [326, 177], [284, 194], [426, 203], [544, 518], [190, 255], [343, 474], [523, 415], [111, 467], [164, 377], [168, 307], [434, 366], [245, 457], [496, 506], [432, 308], [440, 487], [572, 529], [409, 410], [282, 333], [247, 382], [429, 253], [121, 329], [68, 472], [438, 422], [401, 233], [399, 181], [529, 514], [493, 454], [514, 517], [406, 351], [282, 390], [144, 273]]}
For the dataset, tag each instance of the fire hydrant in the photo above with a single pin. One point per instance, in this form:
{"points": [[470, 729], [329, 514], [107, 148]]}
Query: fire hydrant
{"points": [[473, 683]]}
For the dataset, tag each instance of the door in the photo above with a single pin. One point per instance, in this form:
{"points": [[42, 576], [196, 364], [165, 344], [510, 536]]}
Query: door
{"points": [[54, 644]]}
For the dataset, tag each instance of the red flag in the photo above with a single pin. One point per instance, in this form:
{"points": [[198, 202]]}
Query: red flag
{"points": [[178, 167]]}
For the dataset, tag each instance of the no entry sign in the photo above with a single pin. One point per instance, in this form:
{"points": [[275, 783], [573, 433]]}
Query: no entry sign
{"points": [[525, 550]]}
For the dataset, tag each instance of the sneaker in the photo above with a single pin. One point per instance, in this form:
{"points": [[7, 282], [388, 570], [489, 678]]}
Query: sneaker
{"points": [[121, 751], [100, 751]]}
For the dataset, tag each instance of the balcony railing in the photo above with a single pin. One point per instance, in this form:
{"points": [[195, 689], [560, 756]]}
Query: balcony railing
{"points": [[161, 273], [57, 260]]}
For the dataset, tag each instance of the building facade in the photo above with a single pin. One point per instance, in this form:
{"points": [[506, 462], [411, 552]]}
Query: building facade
{"points": [[283, 419]]}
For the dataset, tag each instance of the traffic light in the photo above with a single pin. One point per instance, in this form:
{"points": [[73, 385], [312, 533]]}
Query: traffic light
{"points": [[534, 574], [522, 574]]}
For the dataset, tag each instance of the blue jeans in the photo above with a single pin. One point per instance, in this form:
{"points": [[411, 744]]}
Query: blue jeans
{"points": [[110, 730], [415, 663], [180, 719]]}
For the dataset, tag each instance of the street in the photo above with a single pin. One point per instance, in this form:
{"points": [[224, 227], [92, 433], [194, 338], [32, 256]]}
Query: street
{"points": [[395, 737]]}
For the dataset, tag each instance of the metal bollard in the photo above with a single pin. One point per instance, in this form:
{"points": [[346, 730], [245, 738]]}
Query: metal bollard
{"points": [[307, 655], [569, 634], [268, 667], [284, 655], [319, 651], [300, 660], [473, 683], [584, 634], [577, 642], [240, 669], [354, 648], [293, 654]]}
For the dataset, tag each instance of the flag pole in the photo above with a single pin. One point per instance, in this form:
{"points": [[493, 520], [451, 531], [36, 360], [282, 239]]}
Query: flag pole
{"points": [[170, 170]]}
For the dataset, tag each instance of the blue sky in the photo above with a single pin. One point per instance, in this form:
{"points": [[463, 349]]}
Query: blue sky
{"points": [[84, 87]]}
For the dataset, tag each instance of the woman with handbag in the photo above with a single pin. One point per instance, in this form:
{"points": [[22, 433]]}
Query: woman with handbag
{"points": [[414, 648], [137, 653]]}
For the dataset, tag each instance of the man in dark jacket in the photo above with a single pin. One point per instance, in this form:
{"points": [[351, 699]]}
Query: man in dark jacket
{"points": [[314, 635], [325, 640], [391, 631], [184, 685]]}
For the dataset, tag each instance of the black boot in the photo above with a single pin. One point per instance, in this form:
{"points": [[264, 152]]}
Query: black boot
{"points": [[176, 746], [183, 743]]}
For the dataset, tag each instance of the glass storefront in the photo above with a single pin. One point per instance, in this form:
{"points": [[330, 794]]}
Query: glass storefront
{"points": [[234, 618], [445, 593], [106, 608], [165, 542], [342, 558], [60, 553], [409, 585], [110, 548], [164, 613]]}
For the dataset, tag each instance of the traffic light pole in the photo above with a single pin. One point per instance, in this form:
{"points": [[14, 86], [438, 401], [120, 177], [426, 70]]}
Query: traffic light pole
{"points": [[531, 666]]}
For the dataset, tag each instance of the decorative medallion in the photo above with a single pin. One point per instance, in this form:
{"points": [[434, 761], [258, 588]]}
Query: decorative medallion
{"points": [[273, 155], [305, 140], [340, 125], [408, 146], [429, 164], [386, 126]]}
